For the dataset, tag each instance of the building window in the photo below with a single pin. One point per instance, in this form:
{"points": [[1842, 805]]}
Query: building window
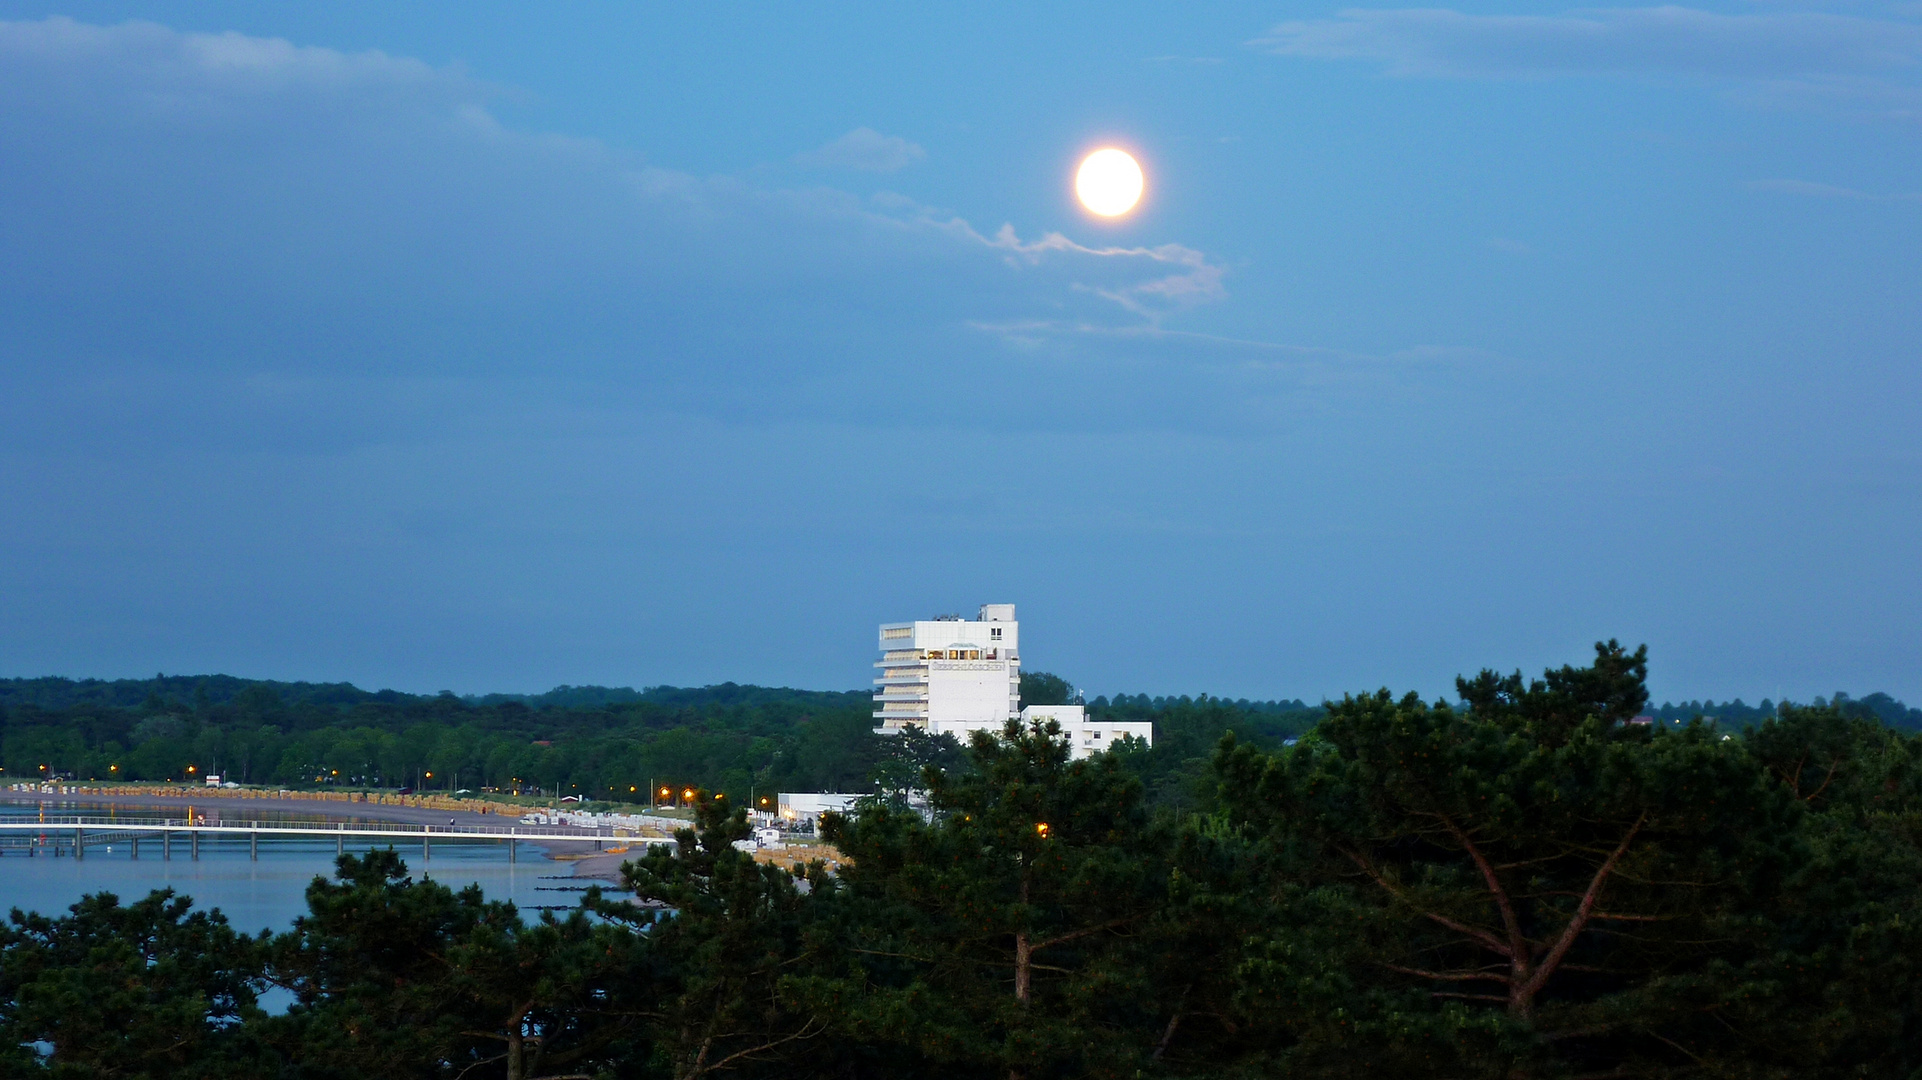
{"points": [[897, 631], [994, 632]]}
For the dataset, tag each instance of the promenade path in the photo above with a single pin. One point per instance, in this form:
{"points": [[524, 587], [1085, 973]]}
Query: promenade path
{"points": [[70, 822]]}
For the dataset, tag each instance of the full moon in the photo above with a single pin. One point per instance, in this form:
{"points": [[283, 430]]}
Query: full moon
{"points": [[1108, 182]]}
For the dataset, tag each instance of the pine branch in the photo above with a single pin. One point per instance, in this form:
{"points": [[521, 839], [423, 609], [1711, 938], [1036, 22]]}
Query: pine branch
{"points": [[1517, 941], [1451, 976], [1583, 912], [1490, 940], [1038, 946], [808, 1031]]}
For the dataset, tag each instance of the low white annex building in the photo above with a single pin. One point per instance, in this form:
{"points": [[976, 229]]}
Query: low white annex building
{"points": [[951, 676], [1087, 736], [797, 807]]}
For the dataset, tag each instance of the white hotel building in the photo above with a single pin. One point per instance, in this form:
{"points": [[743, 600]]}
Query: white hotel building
{"points": [[949, 676]]}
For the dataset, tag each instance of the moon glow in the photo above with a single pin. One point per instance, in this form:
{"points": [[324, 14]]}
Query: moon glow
{"points": [[1108, 183]]}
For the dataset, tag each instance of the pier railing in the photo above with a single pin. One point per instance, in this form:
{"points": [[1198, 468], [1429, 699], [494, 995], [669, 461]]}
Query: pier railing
{"points": [[407, 829]]}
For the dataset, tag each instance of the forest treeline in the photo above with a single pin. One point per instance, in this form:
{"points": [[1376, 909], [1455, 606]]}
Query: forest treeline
{"points": [[595, 742], [1524, 883]]}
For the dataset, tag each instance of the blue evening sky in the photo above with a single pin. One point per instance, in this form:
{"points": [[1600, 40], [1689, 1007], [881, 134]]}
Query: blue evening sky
{"points": [[489, 347]]}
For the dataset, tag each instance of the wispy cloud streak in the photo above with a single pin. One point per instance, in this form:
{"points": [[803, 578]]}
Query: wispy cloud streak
{"points": [[1667, 40], [1831, 191]]}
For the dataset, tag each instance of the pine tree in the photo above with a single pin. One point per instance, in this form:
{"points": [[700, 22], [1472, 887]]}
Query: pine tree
{"points": [[1532, 883], [147, 990], [1005, 937]]}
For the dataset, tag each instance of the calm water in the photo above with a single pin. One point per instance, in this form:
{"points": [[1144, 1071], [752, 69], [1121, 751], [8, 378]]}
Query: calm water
{"points": [[255, 895]]}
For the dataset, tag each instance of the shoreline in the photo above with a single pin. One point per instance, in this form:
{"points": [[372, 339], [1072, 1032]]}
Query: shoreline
{"points": [[579, 855]]}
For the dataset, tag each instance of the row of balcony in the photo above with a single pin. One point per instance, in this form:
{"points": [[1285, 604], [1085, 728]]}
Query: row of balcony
{"points": [[902, 694], [921, 656]]}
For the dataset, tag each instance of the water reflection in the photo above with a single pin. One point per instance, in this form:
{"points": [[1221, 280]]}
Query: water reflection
{"points": [[267, 893]]}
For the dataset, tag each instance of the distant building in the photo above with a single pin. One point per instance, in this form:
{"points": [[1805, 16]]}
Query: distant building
{"points": [[949, 676], [798, 808], [1087, 737]]}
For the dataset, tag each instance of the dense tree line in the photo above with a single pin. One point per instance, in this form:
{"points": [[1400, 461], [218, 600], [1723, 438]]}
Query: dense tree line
{"points": [[1528, 882], [590, 741], [725, 737], [1877, 706]]}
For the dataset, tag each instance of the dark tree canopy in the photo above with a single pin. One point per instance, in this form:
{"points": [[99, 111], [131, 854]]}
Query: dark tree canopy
{"points": [[1041, 688], [1543, 879]]}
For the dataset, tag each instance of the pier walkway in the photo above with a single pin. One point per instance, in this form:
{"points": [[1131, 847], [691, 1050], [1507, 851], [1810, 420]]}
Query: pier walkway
{"points": [[74, 833]]}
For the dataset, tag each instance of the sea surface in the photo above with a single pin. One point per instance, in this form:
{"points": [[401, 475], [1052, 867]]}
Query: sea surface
{"points": [[268, 893]]}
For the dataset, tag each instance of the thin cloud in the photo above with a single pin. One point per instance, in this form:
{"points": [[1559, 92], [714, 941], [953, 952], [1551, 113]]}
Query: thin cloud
{"points": [[864, 149], [265, 223], [1194, 281], [1830, 191], [1654, 40]]}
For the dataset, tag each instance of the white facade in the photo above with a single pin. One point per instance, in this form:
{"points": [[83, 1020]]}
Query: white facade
{"points": [[1088, 737], [955, 677], [949, 675], [798, 807]]}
